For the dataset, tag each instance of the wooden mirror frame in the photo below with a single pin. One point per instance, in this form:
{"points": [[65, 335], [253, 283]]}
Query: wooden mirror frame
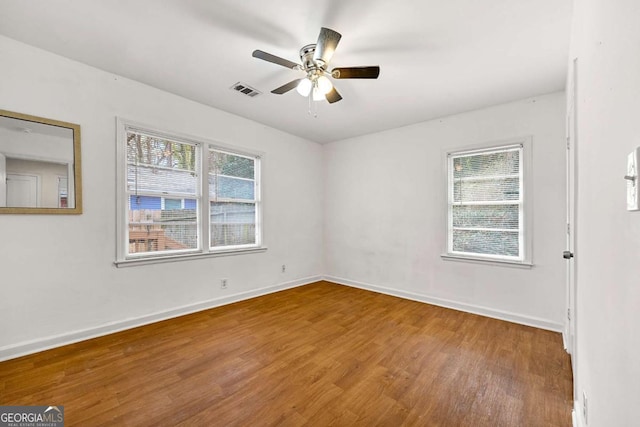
{"points": [[77, 170]]}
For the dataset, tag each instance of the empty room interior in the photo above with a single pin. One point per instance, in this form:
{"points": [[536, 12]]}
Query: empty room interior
{"points": [[413, 213]]}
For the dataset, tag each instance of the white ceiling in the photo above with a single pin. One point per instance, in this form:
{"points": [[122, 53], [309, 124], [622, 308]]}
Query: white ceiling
{"points": [[437, 57]]}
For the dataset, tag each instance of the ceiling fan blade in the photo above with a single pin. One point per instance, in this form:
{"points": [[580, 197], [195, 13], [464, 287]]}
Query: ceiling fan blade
{"points": [[326, 45], [356, 72], [275, 59], [333, 96], [286, 87]]}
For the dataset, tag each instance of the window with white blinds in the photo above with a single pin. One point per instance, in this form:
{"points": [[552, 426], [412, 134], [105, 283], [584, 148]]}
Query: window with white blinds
{"points": [[232, 199], [183, 197], [162, 194], [486, 203]]}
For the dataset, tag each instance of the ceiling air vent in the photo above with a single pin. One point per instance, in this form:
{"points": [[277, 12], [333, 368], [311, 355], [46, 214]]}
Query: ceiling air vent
{"points": [[245, 89]]}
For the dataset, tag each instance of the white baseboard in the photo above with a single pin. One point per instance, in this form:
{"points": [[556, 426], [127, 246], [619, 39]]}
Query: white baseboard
{"points": [[28, 347], [469, 308], [576, 415]]}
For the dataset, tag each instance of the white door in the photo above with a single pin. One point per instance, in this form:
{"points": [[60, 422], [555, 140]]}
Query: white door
{"points": [[22, 191], [572, 145]]}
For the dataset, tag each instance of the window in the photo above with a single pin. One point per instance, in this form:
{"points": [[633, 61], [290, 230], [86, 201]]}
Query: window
{"points": [[232, 199], [164, 197], [487, 210]]}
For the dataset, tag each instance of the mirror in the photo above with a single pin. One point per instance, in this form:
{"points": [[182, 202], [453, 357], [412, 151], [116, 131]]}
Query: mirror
{"points": [[39, 165]]}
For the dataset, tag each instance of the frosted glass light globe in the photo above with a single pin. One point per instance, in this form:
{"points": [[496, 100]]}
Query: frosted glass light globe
{"points": [[304, 87], [324, 85], [318, 95]]}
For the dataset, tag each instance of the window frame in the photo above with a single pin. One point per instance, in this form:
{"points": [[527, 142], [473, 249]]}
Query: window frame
{"points": [[525, 238], [256, 201], [203, 226]]}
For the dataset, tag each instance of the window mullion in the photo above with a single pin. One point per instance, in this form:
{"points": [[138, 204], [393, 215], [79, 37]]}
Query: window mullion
{"points": [[257, 196], [522, 237], [450, 196], [487, 203], [205, 206], [501, 230], [487, 178]]}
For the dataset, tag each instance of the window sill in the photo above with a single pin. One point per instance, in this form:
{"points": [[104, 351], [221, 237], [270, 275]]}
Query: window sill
{"points": [[174, 258], [478, 260]]}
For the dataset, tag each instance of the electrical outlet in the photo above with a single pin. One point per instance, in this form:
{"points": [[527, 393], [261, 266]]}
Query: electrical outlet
{"points": [[585, 411], [223, 283], [284, 268]]}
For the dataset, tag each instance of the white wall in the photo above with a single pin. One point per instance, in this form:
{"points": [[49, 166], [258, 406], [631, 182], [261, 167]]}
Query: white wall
{"points": [[36, 146], [606, 41], [58, 279], [385, 214]]}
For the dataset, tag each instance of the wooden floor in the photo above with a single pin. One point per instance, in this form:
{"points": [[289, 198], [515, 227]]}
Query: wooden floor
{"points": [[319, 355]]}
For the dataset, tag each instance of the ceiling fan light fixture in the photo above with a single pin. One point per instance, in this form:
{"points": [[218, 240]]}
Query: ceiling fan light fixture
{"points": [[318, 95], [304, 87], [314, 60], [324, 85]]}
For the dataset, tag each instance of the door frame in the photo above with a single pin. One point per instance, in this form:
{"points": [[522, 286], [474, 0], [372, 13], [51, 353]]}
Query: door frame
{"points": [[570, 335]]}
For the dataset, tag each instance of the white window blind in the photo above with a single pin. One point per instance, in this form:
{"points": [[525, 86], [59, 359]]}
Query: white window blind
{"points": [[160, 171], [486, 203], [232, 199]]}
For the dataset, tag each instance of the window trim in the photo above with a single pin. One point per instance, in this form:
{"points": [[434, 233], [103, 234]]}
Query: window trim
{"points": [[202, 196], [526, 211]]}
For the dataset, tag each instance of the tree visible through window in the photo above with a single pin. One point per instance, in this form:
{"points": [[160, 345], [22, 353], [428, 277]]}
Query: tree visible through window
{"points": [[166, 196], [158, 168], [486, 204]]}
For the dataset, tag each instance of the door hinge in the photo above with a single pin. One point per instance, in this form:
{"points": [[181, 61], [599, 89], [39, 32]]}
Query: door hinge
{"points": [[568, 143], [568, 228], [568, 314]]}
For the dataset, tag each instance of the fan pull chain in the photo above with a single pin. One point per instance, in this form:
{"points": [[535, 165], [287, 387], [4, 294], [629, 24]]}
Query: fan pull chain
{"points": [[313, 106]]}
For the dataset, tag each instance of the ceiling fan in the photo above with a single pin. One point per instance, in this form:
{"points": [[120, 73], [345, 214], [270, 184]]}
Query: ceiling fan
{"points": [[315, 60]]}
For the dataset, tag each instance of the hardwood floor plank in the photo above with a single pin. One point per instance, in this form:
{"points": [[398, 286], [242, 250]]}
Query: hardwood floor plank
{"points": [[317, 355]]}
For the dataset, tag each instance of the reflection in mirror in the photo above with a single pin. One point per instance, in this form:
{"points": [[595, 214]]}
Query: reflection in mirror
{"points": [[39, 165]]}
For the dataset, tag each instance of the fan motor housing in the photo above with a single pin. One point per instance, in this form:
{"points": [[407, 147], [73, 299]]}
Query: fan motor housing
{"points": [[308, 63]]}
